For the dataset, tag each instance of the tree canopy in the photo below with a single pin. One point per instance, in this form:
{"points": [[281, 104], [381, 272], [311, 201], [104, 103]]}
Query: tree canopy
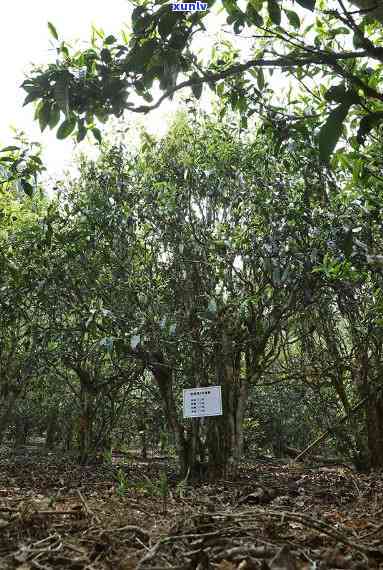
{"points": [[211, 256], [330, 52]]}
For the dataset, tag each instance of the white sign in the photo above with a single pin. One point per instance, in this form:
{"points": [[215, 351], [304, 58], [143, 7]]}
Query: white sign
{"points": [[201, 402]]}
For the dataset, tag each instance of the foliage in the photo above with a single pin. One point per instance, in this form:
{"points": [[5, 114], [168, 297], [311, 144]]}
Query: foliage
{"points": [[20, 165], [211, 256], [310, 46], [122, 482]]}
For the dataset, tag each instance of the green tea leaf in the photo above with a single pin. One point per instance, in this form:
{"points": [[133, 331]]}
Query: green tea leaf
{"points": [[308, 4], [110, 40], [62, 95], [44, 115], [293, 18], [366, 125], [53, 31], [81, 131], [274, 11], [27, 187], [331, 131], [9, 148], [54, 116], [167, 24], [97, 135], [66, 128]]}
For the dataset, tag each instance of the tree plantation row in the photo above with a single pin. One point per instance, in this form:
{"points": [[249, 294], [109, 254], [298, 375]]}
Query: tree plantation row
{"points": [[214, 256]]}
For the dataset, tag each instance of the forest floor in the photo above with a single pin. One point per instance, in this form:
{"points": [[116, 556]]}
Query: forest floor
{"points": [[276, 516]]}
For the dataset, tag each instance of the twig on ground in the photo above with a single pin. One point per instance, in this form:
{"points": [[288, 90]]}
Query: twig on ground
{"points": [[86, 508]]}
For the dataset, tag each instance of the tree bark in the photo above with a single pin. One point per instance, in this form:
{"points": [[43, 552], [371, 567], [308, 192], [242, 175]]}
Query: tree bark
{"points": [[86, 449], [224, 434], [164, 380], [373, 414], [7, 407], [52, 427]]}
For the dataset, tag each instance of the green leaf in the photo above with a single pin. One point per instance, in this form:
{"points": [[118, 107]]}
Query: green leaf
{"points": [[54, 116], [98, 32], [274, 11], [140, 57], [44, 115], [109, 40], [231, 7], [61, 94], [308, 4], [97, 135], [101, 115], [358, 40], [81, 131], [366, 125], [340, 94], [331, 131], [53, 31], [27, 187], [339, 31], [9, 148], [167, 23], [253, 17], [137, 12], [32, 97], [66, 128], [336, 93], [239, 24], [197, 88], [293, 18]]}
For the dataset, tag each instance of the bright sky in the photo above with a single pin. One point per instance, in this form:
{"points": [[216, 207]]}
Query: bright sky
{"points": [[25, 39]]}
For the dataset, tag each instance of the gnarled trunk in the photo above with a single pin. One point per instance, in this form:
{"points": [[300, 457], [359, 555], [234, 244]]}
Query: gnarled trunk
{"points": [[7, 406], [85, 432], [164, 379], [52, 428], [223, 441], [373, 413], [225, 433]]}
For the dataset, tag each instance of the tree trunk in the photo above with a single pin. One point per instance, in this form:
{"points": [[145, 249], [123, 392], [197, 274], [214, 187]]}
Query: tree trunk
{"points": [[6, 407], [52, 427], [224, 434], [374, 417], [164, 380], [67, 436], [21, 430], [86, 448], [373, 414]]}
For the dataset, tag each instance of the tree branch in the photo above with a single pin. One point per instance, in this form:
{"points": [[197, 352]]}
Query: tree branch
{"points": [[321, 58]]}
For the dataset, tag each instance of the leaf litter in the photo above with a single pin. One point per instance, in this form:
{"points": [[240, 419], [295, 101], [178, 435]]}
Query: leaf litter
{"points": [[55, 514]]}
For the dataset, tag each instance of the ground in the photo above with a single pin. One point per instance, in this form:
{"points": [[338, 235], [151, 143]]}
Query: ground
{"points": [[276, 515]]}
